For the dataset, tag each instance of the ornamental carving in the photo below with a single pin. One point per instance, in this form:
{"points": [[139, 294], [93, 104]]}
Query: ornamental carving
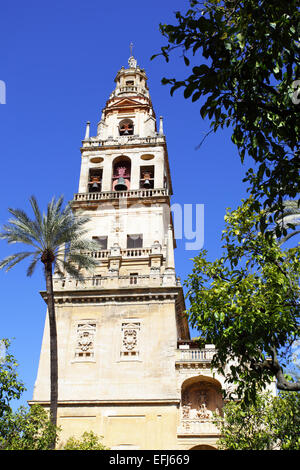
{"points": [[199, 400], [130, 339], [85, 341], [196, 414]]}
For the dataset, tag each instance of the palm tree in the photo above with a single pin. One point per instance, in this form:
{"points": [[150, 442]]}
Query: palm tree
{"points": [[57, 240], [290, 218]]}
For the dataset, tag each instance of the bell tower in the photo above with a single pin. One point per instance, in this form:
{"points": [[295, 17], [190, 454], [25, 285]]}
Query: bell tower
{"points": [[118, 331]]}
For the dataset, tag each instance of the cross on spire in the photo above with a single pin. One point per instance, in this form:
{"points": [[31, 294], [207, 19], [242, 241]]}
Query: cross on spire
{"points": [[131, 47]]}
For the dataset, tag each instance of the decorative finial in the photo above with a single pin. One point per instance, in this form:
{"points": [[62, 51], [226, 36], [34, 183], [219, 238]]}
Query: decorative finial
{"points": [[131, 61], [161, 129], [87, 131]]}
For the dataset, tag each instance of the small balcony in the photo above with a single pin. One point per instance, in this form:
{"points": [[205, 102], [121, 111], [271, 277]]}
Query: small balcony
{"points": [[114, 195], [205, 355], [95, 142], [125, 253], [109, 282], [197, 427]]}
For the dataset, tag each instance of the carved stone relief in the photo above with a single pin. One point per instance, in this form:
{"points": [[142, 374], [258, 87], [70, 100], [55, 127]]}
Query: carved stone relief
{"points": [[198, 403], [85, 339], [130, 340]]}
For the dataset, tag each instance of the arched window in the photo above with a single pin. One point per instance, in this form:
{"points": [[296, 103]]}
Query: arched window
{"points": [[126, 127], [121, 174]]}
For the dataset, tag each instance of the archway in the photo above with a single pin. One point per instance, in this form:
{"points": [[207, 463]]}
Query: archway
{"points": [[203, 447], [200, 394]]}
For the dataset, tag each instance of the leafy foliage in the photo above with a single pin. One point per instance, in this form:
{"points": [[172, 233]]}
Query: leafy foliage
{"points": [[248, 74], [247, 304], [88, 441], [271, 423], [27, 429], [10, 385]]}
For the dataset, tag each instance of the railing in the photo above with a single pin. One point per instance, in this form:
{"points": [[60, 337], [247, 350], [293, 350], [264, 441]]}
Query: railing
{"points": [[135, 252], [119, 140], [130, 89], [134, 193], [126, 253], [99, 254], [195, 355], [107, 282], [196, 426]]}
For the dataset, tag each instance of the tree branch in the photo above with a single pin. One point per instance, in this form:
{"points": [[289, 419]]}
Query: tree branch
{"points": [[274, 367]]}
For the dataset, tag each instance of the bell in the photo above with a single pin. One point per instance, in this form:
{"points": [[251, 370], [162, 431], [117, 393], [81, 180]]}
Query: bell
{"points": [[121, 186], [95, 186], [147, 184]]}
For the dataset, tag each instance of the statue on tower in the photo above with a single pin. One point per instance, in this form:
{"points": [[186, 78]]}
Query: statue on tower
{"points": [[131, 61]]}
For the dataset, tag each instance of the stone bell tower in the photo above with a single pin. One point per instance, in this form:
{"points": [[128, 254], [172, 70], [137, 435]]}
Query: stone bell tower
{"points": [[119, 330]]}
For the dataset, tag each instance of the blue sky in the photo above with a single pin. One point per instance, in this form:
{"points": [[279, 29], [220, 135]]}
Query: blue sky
{"points": [[59, 60]]}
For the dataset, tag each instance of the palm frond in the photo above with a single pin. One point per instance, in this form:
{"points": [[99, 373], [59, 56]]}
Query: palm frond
{"points": [[72, 270], [32, 265], [287, 237], [22, 222], [83, 260], [288, 220], [15, 235], [57, 231], [10, 261]]}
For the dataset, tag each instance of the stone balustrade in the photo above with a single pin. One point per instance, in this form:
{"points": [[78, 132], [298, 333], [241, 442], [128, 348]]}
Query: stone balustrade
{"points": [[195, 355], [130, 89], [121, 140], [133, 193], [135, 252], [125, 253], [197, 427], [107, 282]]}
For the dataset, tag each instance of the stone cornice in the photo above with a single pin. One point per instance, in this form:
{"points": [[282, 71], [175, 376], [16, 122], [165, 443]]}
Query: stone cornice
{"points": [[116, 402], [94, 205], [137, 294]]}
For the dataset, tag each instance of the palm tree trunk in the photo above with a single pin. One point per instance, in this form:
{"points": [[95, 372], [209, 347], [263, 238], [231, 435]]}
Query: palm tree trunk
{"points": [[53, 347]]}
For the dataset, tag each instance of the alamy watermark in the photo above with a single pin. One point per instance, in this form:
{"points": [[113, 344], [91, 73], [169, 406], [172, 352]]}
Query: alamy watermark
{"points": [[2, 92], [188, 221], [189, 224]]}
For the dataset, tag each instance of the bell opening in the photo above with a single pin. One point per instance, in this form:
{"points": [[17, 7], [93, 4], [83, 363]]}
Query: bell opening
{"points": [[121, 174], [95, 180], [147, 177]]}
